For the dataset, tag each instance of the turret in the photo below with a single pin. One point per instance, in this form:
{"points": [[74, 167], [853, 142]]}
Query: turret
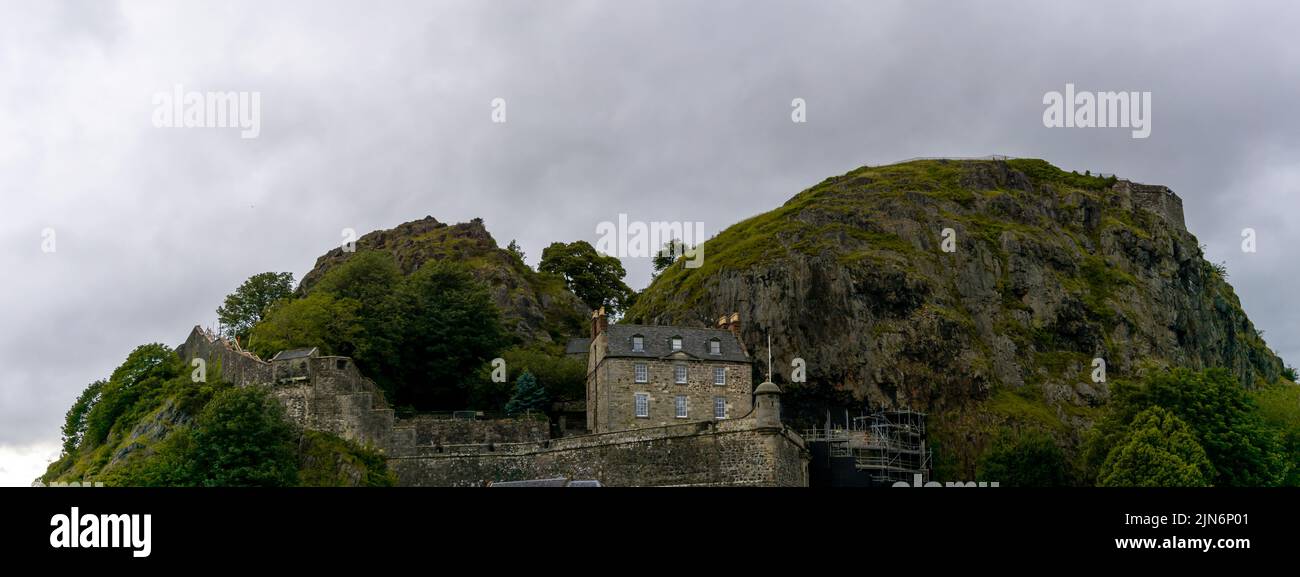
{"points": [[767, 412]]}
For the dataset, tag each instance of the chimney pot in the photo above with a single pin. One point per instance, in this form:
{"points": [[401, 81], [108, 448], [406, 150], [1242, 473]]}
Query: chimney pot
{"points": [[599, 321]]}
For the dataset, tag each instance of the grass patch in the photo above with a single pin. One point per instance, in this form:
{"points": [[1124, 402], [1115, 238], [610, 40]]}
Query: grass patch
{"points": [[1040, 171], [1026, 408]]}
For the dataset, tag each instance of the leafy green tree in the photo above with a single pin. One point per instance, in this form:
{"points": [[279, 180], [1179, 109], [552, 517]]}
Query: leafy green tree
{"points": [[449, 328], [1031, 459], [1244, 451], [667, 255], [316, 320], [1159, 450], [564, 378], [363, 285], [132, 388], [74, 425], [1279, 407], [368, 277], [529, 396], [420, 337], [242, 438], [1289, 373], [514, 249], [597, 279], [245, 307]]}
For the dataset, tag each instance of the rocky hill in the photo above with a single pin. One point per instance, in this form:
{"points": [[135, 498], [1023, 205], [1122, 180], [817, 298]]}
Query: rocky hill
{"points": [[534, 306], [1048, 270]]}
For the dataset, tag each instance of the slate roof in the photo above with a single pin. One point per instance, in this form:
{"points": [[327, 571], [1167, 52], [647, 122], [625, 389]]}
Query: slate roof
{"points": [[695, 342], [294, 354], [577, 347]]}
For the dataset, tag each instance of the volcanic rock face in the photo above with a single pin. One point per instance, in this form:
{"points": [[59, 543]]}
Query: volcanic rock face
{"points": [[1045, 271], [535, 307]]}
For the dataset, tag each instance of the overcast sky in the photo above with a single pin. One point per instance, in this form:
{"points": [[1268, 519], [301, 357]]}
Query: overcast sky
{"points": [[378, 112]]}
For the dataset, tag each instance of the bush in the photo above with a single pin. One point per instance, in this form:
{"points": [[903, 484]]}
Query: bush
{"points": [[243, 439], [1030, 459], [326, 460]]}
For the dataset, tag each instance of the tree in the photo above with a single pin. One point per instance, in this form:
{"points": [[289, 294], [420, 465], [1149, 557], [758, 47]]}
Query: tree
{"points": [[1243, 449], [529, 396], [74, 426], [1030, 459], [513, 248], [597, 279], [1279, 407], [317, 320], [139, 378], [368, 281], [368, 277], [1159, 450], [242, 439], [449, 327], [245, 307], [1289, 373], [563, 378], [667, 255]]}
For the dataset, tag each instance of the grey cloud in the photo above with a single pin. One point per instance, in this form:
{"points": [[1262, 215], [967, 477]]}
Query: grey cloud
{"points": [[374, 113]]}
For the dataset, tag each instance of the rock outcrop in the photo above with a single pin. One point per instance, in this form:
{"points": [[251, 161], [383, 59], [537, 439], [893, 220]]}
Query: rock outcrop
{"points": [[534, 306], [980, 291]]}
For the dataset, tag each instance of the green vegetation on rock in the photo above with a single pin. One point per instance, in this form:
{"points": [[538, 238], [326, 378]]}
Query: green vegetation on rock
{"points": [[150, 424], [1048, 270]]}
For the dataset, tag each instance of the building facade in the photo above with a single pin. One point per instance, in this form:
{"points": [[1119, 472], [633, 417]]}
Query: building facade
{"points": [[642, 376]]}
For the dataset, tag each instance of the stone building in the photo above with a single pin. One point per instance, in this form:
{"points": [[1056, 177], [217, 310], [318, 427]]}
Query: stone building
{"points": [[642, 376]]}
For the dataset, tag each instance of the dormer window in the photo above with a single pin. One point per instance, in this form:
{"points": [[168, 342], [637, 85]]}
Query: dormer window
{"points": [[677, 343], [715, 347], [638, 344]]}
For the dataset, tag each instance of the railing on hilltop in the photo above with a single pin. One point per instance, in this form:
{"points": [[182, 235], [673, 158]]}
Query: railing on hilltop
{"points": [[1001, 157], [989, 157]]}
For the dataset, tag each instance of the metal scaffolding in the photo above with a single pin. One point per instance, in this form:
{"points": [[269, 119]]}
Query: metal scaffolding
{"points": [[889, 446]]}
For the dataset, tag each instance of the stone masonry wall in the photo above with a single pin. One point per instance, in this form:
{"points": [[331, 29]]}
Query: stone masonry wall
{"points": [[728, 453], [318, 393], [433, 431], [1157, 199]]}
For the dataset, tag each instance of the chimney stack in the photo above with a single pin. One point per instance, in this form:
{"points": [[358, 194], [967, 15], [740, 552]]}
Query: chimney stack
{"points": [[598, 322], [731, 323]]}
